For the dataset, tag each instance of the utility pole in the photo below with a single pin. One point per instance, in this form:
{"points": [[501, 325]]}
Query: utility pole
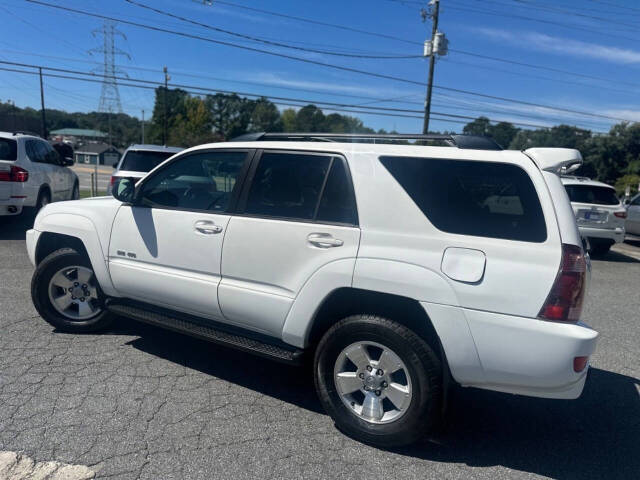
{"points": [[143, 127], [164, 119], [437, 45], [44, 120]]}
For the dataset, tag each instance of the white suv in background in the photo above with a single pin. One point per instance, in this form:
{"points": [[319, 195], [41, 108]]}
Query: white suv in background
{"points": [[599, 212], [137, 160], [396, 269], [32, 174], [633, 216]]}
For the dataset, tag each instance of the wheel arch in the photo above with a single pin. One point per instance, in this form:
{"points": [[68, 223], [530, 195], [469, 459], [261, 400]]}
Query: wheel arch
{"points": [[49, 242], [59, 230], [347, 301]]}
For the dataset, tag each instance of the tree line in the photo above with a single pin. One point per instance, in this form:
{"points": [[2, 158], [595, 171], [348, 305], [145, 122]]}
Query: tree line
{"points": [[613, 158]]}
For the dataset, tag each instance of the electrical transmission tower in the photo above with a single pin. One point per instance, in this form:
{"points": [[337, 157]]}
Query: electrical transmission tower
{"points": [[109, 96]]}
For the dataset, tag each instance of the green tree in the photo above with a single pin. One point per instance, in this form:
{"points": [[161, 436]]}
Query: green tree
{"points": [[194, 127], [265, 117], [288, 118], [230, 114]]}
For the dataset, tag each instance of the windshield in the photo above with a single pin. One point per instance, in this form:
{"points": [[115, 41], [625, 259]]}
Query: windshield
{"points": [[8, 149], [143, 161], [592, 194]]}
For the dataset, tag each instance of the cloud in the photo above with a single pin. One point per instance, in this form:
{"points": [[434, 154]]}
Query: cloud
{"points": [[329, 87], [565, 46]]}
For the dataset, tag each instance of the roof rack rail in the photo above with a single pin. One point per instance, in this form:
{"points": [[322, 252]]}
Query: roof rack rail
{"points": [[472, 142], [25, 132]]}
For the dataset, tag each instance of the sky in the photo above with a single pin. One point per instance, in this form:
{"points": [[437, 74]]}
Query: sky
{"points": [[581, 57]]}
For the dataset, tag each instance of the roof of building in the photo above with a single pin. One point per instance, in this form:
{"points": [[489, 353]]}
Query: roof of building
{"points": [[79, 132], [155, 148], [95, 148]]}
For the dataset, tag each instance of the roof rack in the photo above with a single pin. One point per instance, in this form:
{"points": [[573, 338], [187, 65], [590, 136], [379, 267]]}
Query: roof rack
{"points": [[25, 132], [472, 142]]}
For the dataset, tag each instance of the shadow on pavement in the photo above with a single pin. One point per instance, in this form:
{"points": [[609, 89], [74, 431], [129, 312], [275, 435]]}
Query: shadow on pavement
{"points": [[15, 227], [612, 256], [596, 436]]}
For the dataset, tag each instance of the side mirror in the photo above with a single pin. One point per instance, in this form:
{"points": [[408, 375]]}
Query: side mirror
{"points": [[124, 189], [67, 162], [115, 165]]}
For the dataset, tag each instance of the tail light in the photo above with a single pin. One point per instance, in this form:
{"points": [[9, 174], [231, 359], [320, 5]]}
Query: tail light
{"points": [[620, 214], [564, 302], [15, 174], [113, 180]]}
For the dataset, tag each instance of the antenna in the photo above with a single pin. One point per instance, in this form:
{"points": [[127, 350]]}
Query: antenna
{"points": [[109, 96]]}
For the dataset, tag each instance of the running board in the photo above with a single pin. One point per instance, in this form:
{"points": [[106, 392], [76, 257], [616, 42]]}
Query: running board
{"points": [[171, 321]]}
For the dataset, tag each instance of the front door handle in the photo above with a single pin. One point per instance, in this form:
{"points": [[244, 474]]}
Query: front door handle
{"points": [[207, 227], [324, 240]]}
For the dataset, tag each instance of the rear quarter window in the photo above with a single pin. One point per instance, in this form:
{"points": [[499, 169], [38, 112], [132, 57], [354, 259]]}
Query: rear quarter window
{"points": [[8, 149], [592, 194], [484, 199], [143, 161]]}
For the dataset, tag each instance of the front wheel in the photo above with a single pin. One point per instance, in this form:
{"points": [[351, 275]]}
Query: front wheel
{"points": [[66, 293], [379, 381]]}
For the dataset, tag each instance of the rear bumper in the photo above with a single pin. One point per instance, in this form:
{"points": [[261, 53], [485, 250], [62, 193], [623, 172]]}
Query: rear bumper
{"points": [[615, 234], [513, 354], [8, 206]]}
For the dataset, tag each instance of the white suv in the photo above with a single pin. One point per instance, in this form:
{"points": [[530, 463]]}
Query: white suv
{"points": [[599, 212], [138, 160], [396, 268], [32, 174]]}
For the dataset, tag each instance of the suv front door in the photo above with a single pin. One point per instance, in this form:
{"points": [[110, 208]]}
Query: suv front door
{"points": [[296, 215], [166, 248]]}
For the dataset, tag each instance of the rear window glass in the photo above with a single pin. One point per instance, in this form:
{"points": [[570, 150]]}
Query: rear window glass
{"points": [[592, 194], [141, 161], [8, 149], [484, 199]]}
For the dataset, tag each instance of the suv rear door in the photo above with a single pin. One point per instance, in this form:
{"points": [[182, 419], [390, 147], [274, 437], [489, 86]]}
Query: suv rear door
{"points": [[297, 214]]}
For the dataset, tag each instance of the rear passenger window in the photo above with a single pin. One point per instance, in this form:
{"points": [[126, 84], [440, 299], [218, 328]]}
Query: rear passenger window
{"points": [[287, 185], [337, 204], [485, 199]]}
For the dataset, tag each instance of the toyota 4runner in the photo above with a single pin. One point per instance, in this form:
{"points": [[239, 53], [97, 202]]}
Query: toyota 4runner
{"points": [[396, 268]]}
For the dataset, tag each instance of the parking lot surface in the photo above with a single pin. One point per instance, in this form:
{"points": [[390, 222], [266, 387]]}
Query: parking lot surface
{"points": [[138, 402]]}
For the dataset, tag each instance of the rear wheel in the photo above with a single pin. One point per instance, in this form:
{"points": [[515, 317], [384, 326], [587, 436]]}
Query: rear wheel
{"points": [[600, 247], [75, 193], [66, 293], [44, 199], [379, 381]]}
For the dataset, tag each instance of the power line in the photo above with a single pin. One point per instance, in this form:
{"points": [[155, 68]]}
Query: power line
{"points": [[323, 64], [537, 20], [149, 84], [317, 22], [290, 104], [269, 42]]}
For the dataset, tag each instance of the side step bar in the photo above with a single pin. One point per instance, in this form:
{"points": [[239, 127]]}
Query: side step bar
{"points": [[195, 329]]}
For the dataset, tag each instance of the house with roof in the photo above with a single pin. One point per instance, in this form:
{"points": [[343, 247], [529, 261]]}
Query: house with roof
{"points": [[96, 153]]}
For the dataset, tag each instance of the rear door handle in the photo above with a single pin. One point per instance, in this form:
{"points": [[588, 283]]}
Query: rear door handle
{"points": [[324, 240], [207, 227]]}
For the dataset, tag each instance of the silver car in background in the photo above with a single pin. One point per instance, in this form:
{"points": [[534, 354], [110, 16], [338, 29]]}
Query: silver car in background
{"points": [[599, 213], [138, 160]]}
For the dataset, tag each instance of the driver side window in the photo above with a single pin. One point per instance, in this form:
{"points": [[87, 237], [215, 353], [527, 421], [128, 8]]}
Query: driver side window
{"points": [[200, 181]]}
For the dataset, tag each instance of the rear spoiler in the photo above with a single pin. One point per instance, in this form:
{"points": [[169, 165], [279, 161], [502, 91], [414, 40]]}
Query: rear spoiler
{"points": [[556, 160]]}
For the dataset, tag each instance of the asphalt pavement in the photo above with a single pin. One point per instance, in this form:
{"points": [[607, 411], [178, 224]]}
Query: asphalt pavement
{"points": [[139, 402]]}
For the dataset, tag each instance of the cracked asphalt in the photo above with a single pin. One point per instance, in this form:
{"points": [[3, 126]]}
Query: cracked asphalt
{"points": [[137, 402]]}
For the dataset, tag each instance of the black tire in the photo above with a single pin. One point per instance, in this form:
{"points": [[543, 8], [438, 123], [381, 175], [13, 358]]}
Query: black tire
{"points": [[600, 247], [424, 368], [75, 193], [44, 198], [40, 293]]}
